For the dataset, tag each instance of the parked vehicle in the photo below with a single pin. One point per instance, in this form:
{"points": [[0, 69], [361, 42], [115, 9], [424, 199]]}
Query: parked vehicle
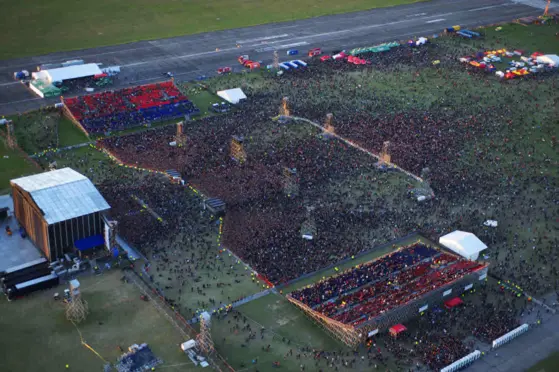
{"points": [[315, 52], [22, 289], [292, 52], [224, 70], [21, 75]]}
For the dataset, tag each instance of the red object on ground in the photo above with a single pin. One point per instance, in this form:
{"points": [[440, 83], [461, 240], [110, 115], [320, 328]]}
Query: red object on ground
{"points": [[99, 76], [325, 58], [315, 52], [223, 70], [397, 329], [456, 301]]}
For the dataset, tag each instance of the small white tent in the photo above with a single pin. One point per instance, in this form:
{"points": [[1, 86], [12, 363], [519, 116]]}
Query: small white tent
{"points": [[549, 59], [233, 96], [463, 243]]}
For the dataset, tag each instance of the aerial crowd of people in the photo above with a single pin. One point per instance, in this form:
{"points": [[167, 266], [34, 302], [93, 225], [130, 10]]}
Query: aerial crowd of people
{"points": [[458, 144]]}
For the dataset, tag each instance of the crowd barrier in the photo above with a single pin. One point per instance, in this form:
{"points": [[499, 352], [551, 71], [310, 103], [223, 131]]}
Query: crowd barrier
{"points": [[329, 267], [510, 336], [462, 362]]}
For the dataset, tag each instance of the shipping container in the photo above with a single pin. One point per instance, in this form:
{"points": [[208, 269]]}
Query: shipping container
{"points": [[24, 268], [24, 277], [22, 289]]}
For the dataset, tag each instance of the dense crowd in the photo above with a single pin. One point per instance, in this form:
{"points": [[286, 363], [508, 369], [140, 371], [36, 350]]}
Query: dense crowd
{"points": [[126, 108], [353, 205]]}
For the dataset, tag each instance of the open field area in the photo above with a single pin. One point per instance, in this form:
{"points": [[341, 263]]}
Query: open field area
{"points": [[108, 22], [118, 317], [476, 147], [547, 365], [12, 165]]}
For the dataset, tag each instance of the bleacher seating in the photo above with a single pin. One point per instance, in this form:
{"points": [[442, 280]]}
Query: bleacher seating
{"points": [[129, 107], [376, 287]]}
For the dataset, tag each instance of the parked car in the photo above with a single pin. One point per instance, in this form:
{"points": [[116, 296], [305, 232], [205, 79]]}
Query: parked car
{"points": [[292, 52], [315, 52], [224, 70]]}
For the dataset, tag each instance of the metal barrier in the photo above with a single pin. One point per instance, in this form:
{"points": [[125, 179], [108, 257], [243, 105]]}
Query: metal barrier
{"points": [[510, 336], [462, 362]]}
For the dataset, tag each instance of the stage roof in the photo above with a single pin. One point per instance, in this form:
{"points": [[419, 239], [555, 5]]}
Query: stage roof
{"points": [[232, 95], [73, 72], [464, 243], [63, 194]]}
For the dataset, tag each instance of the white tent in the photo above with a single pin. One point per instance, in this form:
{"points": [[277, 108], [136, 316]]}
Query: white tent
{"points": [[549, 59], [233, 96], [72, 72], [463, 243]]}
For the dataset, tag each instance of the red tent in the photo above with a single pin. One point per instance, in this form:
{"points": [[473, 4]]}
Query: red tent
{"points": [[397, 329], [453, 302]]}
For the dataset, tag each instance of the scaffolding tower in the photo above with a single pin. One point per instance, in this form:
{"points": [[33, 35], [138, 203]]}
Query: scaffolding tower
{"points": [[290, 182], [284, 108], [180, 138], [308, 228], [385, 154], [10, 136], [237, 149], [204, 338], [76, 307], [329, 124]]}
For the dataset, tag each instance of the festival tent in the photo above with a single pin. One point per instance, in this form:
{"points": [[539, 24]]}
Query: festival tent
{"points": [[453, 302], [233, 96], [397, 329], [463, 243], [72, 72], [549, 59]]}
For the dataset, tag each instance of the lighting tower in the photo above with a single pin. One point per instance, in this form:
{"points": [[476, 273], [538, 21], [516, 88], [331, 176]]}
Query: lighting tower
{"points": [[237, 149], [204, 338], [180, 138], [76, 306], [385, 154]]}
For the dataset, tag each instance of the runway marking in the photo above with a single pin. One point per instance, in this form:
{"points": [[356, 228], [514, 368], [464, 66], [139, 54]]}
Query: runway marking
{"points": [[292, 45], [416, 15], [486, 7], [10, 83], [436, 20], [263, 39], [23, 100], [180, 57]]}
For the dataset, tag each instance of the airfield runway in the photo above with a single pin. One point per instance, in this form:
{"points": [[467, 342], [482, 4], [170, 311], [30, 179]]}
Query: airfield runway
{"points": [[188, 57]]}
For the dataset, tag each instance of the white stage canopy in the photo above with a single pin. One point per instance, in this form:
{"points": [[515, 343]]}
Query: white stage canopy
{"points": [[72, 72], [463, 243], [233, 96]]}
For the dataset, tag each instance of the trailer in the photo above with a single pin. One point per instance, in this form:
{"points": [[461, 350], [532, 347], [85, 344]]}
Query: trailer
{"points": [[24, 268], [24, 277], [25, 288]]}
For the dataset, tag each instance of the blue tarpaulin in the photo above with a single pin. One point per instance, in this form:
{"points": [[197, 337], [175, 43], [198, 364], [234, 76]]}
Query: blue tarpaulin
{"points": [[89, 242]]}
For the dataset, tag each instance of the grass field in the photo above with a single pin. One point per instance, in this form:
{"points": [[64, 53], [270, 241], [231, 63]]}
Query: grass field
{"points": [[37, 131], [12, 165], [40, 28], [37, 333], [549, 364]]}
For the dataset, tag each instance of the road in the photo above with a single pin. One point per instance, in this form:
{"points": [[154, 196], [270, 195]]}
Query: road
{"points": [[191, 56]]}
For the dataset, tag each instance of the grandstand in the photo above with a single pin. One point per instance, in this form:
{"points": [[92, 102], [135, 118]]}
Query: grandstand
{"points": [[128, 108], [371, 297]]}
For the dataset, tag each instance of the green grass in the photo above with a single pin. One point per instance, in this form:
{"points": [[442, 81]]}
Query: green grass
{"points": [[531, 38], [285, 328], [39, 130], [37, 333], [43, 27], [549, 364], [12, 165]]}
